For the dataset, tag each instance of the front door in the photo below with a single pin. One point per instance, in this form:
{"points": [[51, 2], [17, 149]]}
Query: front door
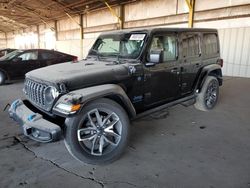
{"points": [[28, 61], [162, 79]]}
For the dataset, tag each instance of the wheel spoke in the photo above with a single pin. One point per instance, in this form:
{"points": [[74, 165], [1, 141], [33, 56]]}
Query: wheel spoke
{"points": [[98, 117], [91, 120], [85, 134], [93, 145], [110, 141], [107, 118], [101, 144], [112, 133], [97, 145], [110, 126]]}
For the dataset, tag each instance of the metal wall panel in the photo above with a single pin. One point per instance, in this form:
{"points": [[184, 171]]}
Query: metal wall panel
{"points": [[235, 48], [3, 41]]}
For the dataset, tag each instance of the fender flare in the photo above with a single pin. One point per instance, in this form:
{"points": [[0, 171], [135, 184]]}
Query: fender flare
{"points": [[206, 71], [86, 95]]}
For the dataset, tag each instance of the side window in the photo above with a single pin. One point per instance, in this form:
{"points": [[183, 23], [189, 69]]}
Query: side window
{"points": [[47, 55], [190, 45], [210, 44], [166, 45], [2, 53], [29, 56]]}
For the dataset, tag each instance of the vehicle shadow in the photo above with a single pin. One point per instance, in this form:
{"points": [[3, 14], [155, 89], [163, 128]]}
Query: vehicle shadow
{"points": [[13, 82]]}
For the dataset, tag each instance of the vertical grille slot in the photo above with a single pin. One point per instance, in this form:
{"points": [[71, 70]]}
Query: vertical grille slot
{"points": [[35, 92]]}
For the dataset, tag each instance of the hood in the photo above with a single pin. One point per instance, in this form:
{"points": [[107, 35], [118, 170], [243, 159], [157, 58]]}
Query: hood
{"points": [[82, 74]]}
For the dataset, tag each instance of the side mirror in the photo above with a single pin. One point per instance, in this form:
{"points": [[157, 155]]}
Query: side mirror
{"points": [[155, 57], [17, 59]]}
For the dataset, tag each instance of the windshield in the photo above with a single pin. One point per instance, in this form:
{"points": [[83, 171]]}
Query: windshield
{"points": [[125, 46], [11, 55]]}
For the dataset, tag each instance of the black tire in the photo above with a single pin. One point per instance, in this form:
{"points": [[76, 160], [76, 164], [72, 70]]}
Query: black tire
{"points": [[79, 130], [2, 78], [208, 97]]}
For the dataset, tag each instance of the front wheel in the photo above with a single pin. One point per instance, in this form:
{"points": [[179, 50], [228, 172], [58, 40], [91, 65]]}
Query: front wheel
{"points": [[208, 96], [99, 133]]}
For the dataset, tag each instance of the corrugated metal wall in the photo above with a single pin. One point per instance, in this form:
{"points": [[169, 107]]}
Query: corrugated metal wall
{"points": [[235, 51]]}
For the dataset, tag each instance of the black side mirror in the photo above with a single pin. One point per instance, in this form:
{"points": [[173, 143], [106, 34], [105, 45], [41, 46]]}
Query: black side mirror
{"points": [[155, 57]]}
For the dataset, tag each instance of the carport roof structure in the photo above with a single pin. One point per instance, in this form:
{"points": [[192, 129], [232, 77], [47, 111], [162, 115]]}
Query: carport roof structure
{"points": [[17, 14]]}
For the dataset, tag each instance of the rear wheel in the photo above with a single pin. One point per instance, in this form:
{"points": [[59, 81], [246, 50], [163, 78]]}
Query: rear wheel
{"points": [[2, 78], [99, 134], [208, 96]]}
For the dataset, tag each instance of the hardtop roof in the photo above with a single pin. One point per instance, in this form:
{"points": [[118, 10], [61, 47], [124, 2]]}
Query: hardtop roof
{"points": [[152, 30]]}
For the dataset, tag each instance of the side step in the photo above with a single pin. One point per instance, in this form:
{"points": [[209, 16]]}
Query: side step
{"points": [[186, 100]]}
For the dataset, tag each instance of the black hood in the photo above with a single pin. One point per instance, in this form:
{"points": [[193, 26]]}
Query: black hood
{"points": [[82, 74]]}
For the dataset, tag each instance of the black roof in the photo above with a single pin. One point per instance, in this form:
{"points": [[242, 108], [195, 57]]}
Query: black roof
{"points": [[152, 30]]}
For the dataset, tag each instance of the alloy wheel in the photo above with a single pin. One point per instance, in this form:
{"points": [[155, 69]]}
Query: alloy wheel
{"points": [[100, 132]]}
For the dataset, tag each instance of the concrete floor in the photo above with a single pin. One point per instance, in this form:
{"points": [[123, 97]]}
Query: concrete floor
{"points": [[187, 148]]}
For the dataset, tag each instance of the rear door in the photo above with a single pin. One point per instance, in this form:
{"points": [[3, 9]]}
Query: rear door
{"points": [[162, 79], [190, 60]]}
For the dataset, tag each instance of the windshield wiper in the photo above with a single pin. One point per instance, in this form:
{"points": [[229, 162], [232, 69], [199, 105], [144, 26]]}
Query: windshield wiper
{"points": [[97, 54], [118, 55]]}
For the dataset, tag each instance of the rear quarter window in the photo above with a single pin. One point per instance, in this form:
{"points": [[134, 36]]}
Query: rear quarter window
{"points": [[47, 55], [60, 55], [210, 44]]}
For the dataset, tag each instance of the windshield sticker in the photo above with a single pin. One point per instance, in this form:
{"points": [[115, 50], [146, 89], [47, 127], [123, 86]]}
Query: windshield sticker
{"points": [[137, 37]]}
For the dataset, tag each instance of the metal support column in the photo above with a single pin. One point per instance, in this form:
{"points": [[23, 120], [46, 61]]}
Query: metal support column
{"points": [[122, 16], [56, 30], [82, 35], [38, 36], [115, 15], [191, 5]]}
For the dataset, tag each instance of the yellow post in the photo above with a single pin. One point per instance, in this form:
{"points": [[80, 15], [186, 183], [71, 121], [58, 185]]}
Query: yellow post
{"points": [[114, 14], [190, 4]]}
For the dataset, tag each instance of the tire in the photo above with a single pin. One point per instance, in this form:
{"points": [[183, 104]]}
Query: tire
{"points": [[98, 142], [2, 78], [208, 97]]}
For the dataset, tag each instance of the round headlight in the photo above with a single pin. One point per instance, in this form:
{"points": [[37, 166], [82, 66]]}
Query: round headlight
{"points": [[50, 93]]}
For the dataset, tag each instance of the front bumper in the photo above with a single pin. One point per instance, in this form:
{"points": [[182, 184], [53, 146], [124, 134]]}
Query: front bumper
{"points": [[33, 124]]}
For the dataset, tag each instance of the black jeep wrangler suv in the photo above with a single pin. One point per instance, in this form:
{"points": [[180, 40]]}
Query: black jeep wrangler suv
{"points": [[126, 74]]}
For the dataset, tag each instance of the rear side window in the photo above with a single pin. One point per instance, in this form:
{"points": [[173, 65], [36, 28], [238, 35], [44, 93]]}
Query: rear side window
{"points": [[190, 45], [47, 55], [210, 42]]}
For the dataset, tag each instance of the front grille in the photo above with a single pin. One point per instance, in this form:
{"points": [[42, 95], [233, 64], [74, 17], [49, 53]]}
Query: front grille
{"points": [[34, 91]]}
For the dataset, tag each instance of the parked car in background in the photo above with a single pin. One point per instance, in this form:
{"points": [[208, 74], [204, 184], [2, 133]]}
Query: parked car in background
{"points": [[4, 52], [15, 64]]}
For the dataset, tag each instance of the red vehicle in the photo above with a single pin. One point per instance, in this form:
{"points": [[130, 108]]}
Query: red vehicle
{"points": [[17, 63]]}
